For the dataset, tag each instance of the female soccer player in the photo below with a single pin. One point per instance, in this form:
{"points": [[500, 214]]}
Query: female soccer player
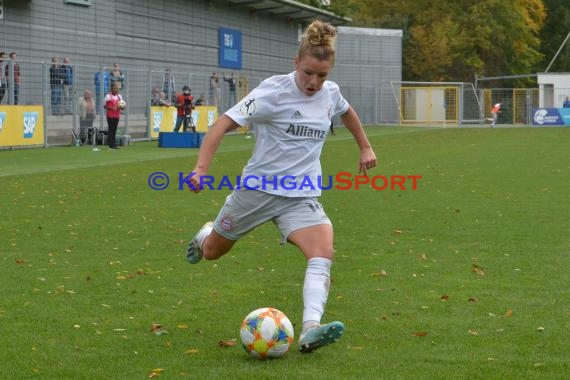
{"points": [[290, 116]]}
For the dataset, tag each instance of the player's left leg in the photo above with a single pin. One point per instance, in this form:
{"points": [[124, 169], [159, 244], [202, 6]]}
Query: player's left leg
{"points": [[316, 243]]}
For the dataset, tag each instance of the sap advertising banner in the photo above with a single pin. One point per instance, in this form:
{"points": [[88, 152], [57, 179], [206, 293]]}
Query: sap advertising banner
{"points": [[551, 116], [21, 126], [230, 48]]}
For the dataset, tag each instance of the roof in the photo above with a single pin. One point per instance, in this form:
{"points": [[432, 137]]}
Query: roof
{"points": [[289, 9]]}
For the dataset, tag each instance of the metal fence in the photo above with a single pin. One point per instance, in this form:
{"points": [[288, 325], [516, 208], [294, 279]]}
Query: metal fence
{"points": [[394, 103], [463, 104], [42, 83]]}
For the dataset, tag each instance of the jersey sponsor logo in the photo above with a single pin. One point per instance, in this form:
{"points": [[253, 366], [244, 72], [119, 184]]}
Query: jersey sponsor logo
{"points": [[248, 107], [304, 131]]}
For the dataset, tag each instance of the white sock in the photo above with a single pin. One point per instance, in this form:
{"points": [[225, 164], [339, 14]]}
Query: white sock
{"points": [[315, 290], [204, 232]]}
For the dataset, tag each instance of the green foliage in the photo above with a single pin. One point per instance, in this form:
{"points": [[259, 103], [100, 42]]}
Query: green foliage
{"points": [[464, 277], [555, 30], [455, 41]]}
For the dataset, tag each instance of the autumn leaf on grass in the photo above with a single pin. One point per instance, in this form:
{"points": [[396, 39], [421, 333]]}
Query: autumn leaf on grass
{"points": [[444, 298], [158, 329], [508, 313], [191, 351], [227, 343], [477, 269], [156, 372], [472, 299], [20, 261], [420, 333]]}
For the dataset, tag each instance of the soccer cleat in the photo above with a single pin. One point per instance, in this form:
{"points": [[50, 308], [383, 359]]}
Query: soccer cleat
{"points": [[320, 336], [194, 251]]}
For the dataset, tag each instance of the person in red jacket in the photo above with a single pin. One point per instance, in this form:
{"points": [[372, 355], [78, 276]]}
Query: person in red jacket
{"points": [[113, 113], [185, 106]]}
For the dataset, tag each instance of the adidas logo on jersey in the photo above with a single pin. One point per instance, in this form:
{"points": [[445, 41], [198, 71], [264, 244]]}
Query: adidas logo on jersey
{"points": [[297, 115]]}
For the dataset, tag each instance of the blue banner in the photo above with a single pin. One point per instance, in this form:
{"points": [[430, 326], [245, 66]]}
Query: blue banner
{"points": [[551, 116], [230, 48]]}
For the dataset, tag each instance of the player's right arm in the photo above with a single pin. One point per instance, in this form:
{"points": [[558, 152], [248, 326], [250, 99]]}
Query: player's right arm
{"points": [[209, 147]]}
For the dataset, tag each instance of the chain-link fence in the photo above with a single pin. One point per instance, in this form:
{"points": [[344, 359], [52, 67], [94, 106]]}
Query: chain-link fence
{"points": [[58, 88]]}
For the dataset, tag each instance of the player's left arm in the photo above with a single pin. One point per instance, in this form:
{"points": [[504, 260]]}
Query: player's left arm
{"points": [[352, 122]]}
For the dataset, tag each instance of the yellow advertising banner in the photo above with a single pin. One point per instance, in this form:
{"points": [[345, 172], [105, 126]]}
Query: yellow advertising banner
{"points": [[21, 125], [163, 119], [204, 117]]}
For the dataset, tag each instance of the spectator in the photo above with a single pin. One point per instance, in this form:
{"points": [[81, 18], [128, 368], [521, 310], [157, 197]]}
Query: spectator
{"points": [[184, 106], [3, 79], [566, 103], [16, 72], [215, 90], [201, 100], [168, 84], [67, 70], [56, 85], [86, 111], [112, 100], [232, 82], [159, 99], [100, 88], [117, 76]]}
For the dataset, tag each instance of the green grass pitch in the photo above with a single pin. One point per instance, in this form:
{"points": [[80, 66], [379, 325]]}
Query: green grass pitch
{"points": [[464, 277]]}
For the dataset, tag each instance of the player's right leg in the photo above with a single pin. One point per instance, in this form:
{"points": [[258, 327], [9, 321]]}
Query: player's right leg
{"points": [[209, 244]]}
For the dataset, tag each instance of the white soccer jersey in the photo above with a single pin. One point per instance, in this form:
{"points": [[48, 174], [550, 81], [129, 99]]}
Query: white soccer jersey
{"points": [[290, 130]]}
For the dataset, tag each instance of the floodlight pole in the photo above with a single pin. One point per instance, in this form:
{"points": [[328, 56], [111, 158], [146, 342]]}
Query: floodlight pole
{"points": [[558, 52]]}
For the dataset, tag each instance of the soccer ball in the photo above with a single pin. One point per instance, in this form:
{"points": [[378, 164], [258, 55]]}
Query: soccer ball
{"points": [[266, 333], [122, 104]]}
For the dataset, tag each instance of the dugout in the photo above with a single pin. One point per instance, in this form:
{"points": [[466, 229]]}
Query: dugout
{"points": [[553, 89]]}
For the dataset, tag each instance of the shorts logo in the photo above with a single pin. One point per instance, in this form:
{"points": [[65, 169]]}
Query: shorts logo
{"points": [[227, 222]]}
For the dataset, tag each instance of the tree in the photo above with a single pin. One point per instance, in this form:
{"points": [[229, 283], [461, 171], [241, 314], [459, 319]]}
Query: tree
{"points": [[556, 28], [455, 41]]}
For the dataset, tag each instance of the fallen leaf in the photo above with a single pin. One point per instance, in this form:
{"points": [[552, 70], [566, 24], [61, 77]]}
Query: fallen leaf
{"points": [[158, 329], [156, 372], [20, 261], [420, 333], [477, 269], [445, 298], [227, 343], [472, 299], [509, 313], [473, 332], [191, 351], [182, 326]]}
